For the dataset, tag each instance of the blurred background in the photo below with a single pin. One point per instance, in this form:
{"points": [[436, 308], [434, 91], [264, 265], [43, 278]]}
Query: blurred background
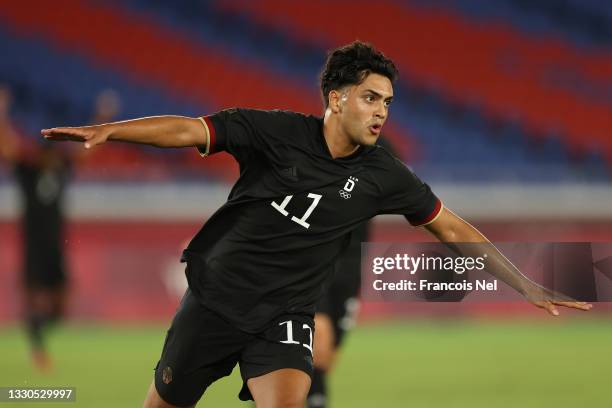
{"points": [[503, 106]]}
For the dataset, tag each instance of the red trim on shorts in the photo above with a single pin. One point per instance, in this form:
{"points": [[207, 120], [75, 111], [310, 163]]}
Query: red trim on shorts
{"points": [[211, 132]]}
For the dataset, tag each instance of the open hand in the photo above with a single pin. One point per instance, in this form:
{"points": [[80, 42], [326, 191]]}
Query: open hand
{"points": [[91, 135], [550, 306], [549, 300]]}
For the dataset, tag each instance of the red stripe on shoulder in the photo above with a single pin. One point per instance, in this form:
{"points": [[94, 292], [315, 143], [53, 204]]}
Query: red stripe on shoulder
{"points": [[211, 131], [431, 216]]}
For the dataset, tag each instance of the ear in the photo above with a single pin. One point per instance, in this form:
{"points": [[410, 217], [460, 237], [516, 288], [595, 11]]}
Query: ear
{"points": [[335, 101]]}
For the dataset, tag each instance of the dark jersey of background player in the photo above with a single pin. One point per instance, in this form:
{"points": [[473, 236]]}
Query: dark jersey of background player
{"points": [[265, 252], [42, 183]]}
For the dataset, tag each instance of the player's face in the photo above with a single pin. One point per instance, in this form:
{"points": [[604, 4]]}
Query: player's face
{"points": [[365, 108]]}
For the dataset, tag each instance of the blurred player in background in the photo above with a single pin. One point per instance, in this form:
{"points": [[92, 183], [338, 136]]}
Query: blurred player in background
{"points": [[336, 311], [257, 266], [42, 172]]}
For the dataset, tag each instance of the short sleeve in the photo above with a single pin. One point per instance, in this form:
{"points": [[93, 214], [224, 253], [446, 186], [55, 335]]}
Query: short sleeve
{"points": [[404, 193], [240, 132]]}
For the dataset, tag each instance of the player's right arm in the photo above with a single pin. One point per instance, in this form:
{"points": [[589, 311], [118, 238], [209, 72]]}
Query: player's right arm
{"points": [[159, 131]]}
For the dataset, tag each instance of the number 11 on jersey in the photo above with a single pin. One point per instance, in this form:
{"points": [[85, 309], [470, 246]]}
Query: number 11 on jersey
{"points": [[302, 221]]}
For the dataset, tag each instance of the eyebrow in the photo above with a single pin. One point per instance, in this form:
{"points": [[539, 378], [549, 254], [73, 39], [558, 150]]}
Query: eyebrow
{"points": [[378, 94]]}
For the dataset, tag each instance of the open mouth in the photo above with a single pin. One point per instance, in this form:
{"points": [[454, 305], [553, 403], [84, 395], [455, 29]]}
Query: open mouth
{"points": [[375, 129]]}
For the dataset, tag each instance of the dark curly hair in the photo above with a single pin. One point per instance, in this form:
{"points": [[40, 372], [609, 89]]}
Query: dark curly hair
{"points": [[351, 64]]}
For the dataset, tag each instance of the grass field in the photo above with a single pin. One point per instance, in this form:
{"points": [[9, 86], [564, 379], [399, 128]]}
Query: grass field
{"points": [[562, 363]]}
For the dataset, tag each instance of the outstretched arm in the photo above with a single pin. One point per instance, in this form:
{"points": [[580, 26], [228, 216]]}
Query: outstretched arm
{"points": [[451, 229], [159, 131]]}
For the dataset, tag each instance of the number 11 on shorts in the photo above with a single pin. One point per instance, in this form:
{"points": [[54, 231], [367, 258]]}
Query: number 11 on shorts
{"points": [[290, 339]]}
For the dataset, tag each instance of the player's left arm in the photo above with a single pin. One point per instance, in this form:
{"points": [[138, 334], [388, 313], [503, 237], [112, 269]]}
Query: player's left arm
{"points": [[453, 231]]}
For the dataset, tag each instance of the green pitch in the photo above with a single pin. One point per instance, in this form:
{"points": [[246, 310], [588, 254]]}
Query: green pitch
{"points": [[544, 363]]}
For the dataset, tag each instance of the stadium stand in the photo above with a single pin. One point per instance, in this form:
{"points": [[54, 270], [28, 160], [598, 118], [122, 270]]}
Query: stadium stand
{"points": [[506, 73], [526, 96]]}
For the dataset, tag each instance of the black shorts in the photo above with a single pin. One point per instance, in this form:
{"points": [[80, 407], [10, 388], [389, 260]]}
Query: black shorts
{"points": [[340, 301], [201, 347], [44, 269]]}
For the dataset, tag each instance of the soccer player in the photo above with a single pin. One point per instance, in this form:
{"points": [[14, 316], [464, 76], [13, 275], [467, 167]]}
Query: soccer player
{"points": [[42, 174], [256, 268]]}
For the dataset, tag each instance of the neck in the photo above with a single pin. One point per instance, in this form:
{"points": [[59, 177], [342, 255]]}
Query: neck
{"points": [[338, 142]]}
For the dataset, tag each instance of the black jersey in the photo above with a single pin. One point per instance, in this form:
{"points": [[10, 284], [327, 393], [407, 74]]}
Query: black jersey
{"points": [[268, 249], [42, 189]]}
